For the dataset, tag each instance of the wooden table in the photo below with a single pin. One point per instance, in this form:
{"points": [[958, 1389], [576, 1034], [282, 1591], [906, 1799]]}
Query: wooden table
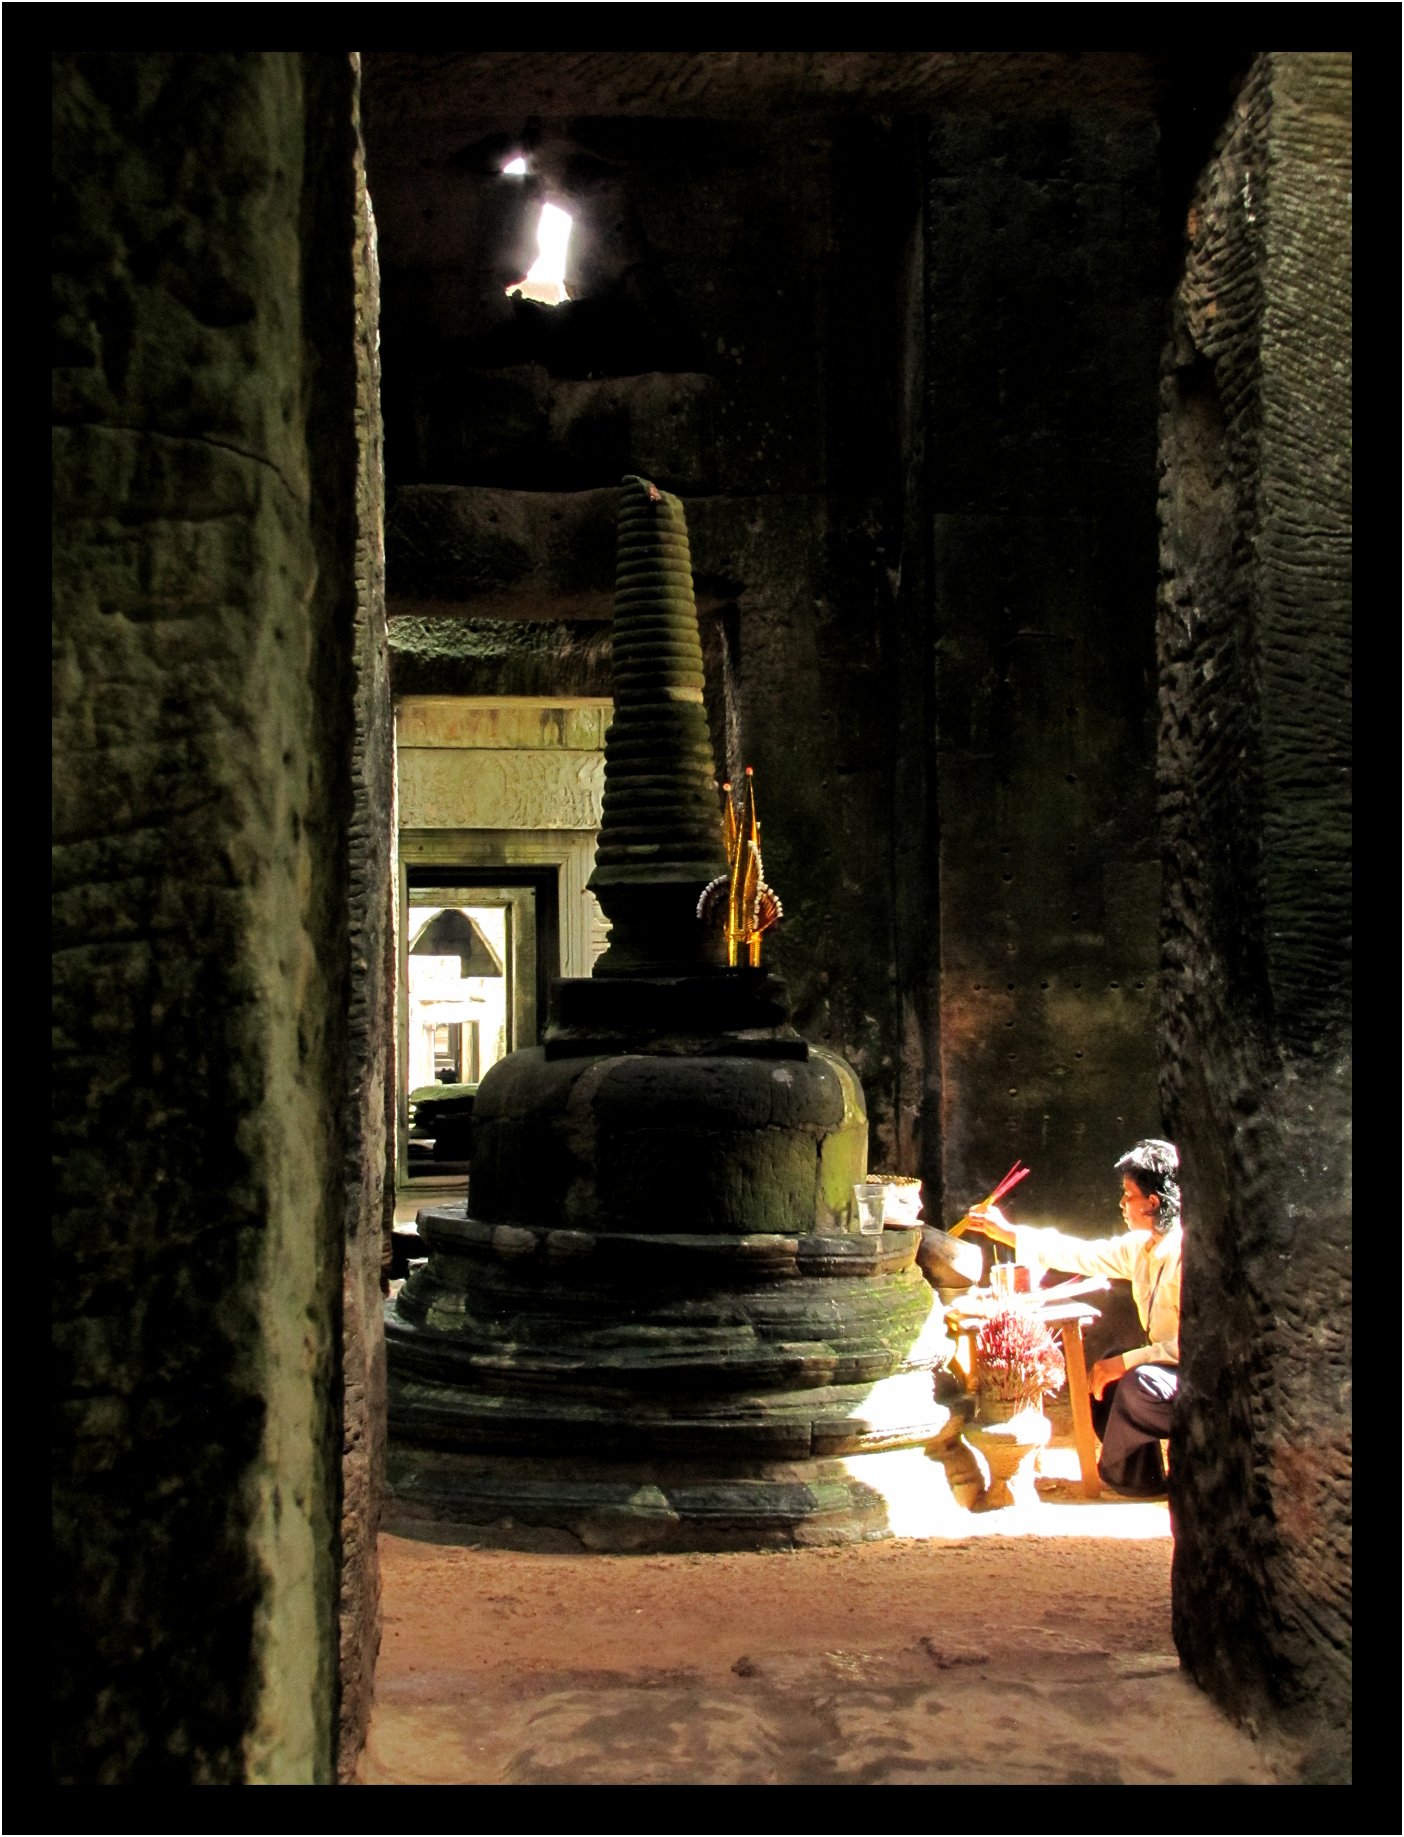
{"points": [[965, 1318]]}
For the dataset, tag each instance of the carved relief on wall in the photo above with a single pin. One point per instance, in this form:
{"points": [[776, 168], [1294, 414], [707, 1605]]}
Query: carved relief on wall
{"points": [[472, 788], [504, 725]]}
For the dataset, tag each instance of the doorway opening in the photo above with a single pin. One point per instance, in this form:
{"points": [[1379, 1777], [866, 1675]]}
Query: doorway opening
{"points": [[479, 947], [459, 993]]}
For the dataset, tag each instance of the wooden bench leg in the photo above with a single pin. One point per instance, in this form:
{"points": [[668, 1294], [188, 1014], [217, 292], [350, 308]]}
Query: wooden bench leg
{"points": [[1083, 1432], [966, 1364]]}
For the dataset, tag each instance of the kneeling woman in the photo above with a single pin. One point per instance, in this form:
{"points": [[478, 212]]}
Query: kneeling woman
{"points": [[1134, 1391]]}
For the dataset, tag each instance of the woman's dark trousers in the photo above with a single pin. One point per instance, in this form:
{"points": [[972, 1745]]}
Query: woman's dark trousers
{"points": [[1133, 1418]]}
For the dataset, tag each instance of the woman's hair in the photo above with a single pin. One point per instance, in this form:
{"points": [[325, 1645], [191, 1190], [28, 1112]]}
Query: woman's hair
{"points": [[1155, 1166]]}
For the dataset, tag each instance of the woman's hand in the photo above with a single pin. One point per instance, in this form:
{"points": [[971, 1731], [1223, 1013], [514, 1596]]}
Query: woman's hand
{"points": [[992, 1223], [1105, 1372]]}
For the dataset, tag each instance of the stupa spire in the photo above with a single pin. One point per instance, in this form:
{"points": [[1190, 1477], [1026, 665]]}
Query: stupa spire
{"points": [[660, 840]]}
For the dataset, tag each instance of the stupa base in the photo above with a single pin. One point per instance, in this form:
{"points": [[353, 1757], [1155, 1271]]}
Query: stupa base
{"points": [[635, 1391], [522, 1503]]}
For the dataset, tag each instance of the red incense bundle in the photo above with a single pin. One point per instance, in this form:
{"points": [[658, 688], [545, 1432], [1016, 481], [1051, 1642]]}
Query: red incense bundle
{"points": [[1011, 1179], [1016, 1173]]}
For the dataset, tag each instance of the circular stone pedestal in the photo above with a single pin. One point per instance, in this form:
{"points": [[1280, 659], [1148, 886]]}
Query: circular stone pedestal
{"points": [[654, 1142], [660, 1326], [637, 1391]]}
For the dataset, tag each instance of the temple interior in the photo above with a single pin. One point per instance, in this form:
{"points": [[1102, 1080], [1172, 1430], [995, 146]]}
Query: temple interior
{"points": [[987, 420]]}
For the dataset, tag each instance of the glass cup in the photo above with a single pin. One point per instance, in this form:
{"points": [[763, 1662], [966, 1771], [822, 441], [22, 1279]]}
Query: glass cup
{"points": [[870, 1197], [1007, 1279]]}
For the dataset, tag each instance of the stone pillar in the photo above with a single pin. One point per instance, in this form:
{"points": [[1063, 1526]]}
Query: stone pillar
{"points": [[1255, 752], [370, 1084], [205, 462]]}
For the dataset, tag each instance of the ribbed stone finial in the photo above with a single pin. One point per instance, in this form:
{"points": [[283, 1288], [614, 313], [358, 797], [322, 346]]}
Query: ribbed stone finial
{"points": [[660, 832]]}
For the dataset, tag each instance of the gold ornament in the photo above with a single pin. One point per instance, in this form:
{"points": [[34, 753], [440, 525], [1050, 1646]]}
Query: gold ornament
{"points": [[740, 899]]}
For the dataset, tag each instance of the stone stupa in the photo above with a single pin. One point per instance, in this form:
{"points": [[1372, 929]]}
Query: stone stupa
{"points": [[655, 1323]]}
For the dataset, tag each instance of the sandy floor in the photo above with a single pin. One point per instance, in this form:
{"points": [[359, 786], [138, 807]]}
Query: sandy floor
{"points": [[1028, 1646]]}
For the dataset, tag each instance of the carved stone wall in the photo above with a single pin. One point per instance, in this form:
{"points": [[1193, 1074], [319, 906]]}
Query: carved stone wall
{"points": [[205, 465], [370, 1101], [1044, 311], [500, 790], [1255, 1015], [500, 766]]}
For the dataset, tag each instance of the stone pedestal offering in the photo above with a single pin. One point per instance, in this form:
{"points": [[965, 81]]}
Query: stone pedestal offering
{"points": [[655, 1323], [1007, 1435]]}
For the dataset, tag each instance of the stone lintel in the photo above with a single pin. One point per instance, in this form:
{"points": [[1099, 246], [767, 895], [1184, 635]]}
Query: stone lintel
{"points": [[518, 788]]}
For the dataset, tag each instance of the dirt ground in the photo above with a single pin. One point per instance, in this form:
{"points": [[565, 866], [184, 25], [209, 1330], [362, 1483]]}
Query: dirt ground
{"points": [[1027, 1646]]}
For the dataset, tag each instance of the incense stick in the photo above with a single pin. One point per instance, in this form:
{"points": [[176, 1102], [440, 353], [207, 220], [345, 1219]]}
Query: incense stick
{"points": [[1016, 1173]]}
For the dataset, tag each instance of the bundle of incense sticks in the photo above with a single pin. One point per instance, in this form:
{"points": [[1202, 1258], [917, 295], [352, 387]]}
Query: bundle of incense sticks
{"points": [[1016, 1173]]}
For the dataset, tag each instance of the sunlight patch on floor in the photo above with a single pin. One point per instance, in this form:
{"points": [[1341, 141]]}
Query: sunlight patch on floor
{"points": [[920, 1503]]}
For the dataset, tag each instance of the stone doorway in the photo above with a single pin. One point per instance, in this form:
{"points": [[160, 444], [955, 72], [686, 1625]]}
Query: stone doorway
{"points": [[497, 809]]}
